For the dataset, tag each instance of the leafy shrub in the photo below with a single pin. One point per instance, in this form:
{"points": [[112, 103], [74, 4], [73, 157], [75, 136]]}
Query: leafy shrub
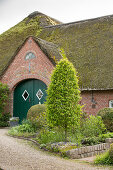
{"points": [[93, 126], [103, 159], [4, 92], [107, 117], [4, 118], [36, 114], [111, 152], [106, 158], [26, 129], [90, 141], [95, 140], [102, 137], [47, 136]]}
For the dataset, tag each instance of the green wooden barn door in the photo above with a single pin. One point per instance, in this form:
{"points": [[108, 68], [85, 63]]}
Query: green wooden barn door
{"points": [[27, 94]]}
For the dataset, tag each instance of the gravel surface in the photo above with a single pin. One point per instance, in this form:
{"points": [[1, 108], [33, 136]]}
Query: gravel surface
{"points": [[17, 154]]}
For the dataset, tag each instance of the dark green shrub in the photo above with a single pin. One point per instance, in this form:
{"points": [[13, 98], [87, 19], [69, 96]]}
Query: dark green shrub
{"points": [[107, 117], [4, 92], [36, 114], [4, 118]]}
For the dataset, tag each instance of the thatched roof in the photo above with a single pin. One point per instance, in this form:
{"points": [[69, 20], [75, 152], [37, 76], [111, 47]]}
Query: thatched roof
{"points": [[12, 40], [50, 49], [88, 45]]}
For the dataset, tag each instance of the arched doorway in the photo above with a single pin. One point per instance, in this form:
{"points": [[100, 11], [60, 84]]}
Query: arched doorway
{"points": [[26, 94]]}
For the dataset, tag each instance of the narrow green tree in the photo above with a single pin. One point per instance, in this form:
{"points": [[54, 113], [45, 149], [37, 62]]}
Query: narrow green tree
{"points": [[63, 92]]}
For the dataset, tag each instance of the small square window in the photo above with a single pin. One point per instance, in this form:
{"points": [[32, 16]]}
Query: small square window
{"points": [[111, 103]]}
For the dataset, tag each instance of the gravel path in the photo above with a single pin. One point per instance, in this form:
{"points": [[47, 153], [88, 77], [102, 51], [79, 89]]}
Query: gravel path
{"points": [[16, 154]]}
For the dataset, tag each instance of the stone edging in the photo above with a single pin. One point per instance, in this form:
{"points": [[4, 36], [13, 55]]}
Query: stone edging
{"points": [[83, 152], [88, 151]]}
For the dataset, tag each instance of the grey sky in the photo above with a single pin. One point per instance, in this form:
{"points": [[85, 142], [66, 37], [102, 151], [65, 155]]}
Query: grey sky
{"points": [[13, 11]]}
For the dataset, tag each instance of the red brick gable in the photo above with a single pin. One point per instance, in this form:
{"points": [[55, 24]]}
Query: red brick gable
{"points": [[18, 70]]}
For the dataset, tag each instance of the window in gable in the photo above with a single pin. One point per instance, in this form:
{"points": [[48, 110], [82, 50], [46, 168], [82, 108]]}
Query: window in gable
{"points": [[30, 55]]}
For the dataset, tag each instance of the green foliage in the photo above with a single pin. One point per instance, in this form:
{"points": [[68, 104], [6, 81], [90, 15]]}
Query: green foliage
{"points": [[96, 140], [26, 129], [36, 114], [103, 159], [63, 109], [102, 137], [111, 152], [107, 117], [50, 136], [90, 141], [4, 118], [106, 158], [93, 126], [4, 91]]}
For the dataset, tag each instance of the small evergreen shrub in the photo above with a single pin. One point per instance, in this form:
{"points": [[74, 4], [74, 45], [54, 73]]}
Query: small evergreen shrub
{"points": [[63, 108], [36, 114], [107, 117], [93, 126]]}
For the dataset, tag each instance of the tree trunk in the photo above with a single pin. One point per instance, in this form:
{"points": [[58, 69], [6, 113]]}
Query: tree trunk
{"points": [[65, 133]]}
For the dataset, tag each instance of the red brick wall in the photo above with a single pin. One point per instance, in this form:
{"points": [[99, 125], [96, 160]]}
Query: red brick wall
{"points": [[101, 98], [40, 67]]}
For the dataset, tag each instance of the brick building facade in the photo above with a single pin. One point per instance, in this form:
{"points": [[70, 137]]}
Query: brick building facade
{"points": [[40, 68], [20, 68], [27, 60]]}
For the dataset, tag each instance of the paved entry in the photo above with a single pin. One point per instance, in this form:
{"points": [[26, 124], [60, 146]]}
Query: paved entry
{"points": [[26, 94]]}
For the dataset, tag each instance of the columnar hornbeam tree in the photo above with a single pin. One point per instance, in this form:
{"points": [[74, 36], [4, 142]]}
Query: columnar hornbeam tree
{"points": [[63, 92]]}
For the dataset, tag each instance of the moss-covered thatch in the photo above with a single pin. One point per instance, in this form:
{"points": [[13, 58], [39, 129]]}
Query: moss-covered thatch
{"points": [[88, 45], [12, 40]]}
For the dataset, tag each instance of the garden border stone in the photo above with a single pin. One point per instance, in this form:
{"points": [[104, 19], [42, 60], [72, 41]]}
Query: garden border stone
{"points": [[88, 151]]}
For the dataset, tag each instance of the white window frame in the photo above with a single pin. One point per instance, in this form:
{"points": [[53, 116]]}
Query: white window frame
{"points": [[110, 103]]}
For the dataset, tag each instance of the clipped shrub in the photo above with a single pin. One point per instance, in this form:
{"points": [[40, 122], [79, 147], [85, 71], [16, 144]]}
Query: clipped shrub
{"points": [[36, 114], [107, 117], [93, 126]]}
